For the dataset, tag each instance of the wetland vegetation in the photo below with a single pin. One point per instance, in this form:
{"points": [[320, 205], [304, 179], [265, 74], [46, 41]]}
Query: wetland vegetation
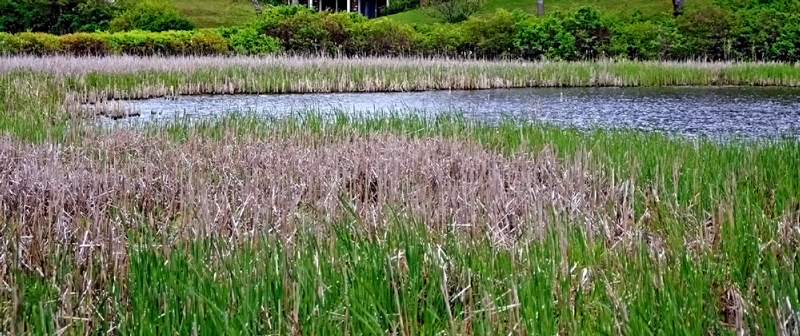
{"points": [[383, 224]]}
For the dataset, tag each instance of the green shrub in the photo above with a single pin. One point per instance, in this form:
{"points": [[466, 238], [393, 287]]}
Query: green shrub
{"points": [[757, 31], [787, 45], [150, 16], [143, 43], [249, 42], [591, 32], [5, 43], [273, 16], [339, 27], [208, 44], [441, 39], [35, 44], [642, 41], [83, 44], [491, 35], [301, 32], [383, 36], [535, 38], [56, 17], [89, 16], [706, 33]]}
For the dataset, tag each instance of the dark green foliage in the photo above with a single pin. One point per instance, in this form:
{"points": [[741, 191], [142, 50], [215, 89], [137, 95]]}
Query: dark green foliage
{"points": [[491, 35], [382, 36], [589, 30], [788, 42], [89, 16], [299, 29], [708, 33], [758, 31], [441, 39], [55, 17], [150, 16], [643, 41], [247, 41], [5, 43], [302, 33], [271, 18], [761, 32], [546, 38]]}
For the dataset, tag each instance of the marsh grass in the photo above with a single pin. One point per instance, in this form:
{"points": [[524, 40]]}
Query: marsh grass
{"points": [[42, 95], [384, 225], [397, 226]]}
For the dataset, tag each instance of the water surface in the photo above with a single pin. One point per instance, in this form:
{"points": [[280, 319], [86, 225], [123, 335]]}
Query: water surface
{"points": [[715, 112]]}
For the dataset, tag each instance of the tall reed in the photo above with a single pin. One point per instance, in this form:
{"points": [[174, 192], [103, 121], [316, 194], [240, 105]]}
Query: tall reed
{"points": [[401, 226]]}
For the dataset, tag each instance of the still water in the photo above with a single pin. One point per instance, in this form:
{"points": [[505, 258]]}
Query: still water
{"points": [[714, 112]]}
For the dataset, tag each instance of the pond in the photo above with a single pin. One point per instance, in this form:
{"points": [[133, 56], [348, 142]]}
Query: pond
{"points": [[714, 112]]}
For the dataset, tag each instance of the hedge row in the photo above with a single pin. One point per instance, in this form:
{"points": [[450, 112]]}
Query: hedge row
{"points": [[170, 43], [712, 33]]}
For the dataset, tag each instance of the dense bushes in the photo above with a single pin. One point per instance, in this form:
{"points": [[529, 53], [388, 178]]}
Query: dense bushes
{"points": [[83, 44], [33, 43], [250, 42], [166, 43], [382, 36], [643, 41], [56, 17], [713, 33], [69, 16], [169, 43], [441, 39]]}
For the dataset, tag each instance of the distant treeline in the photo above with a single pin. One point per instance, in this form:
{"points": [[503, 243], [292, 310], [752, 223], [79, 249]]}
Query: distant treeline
{"points": [[733, 30]]}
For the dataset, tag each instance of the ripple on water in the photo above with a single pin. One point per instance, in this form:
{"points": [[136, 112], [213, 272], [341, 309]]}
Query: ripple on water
{"points": [[714, 112]]}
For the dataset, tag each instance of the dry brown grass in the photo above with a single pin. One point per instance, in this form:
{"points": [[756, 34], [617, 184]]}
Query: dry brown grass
{"points": [[69, 65], [78, 203], [88, 195]]}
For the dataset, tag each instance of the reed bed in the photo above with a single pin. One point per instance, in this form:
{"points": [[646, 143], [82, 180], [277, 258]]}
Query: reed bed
{"points": [[44, 93], [396, 226], [70, 65], [401, 226], [243, 185]]}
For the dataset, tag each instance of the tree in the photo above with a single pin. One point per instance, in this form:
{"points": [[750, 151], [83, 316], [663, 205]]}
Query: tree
{"points": [[677, 7], [452, 10], [540, 7]]}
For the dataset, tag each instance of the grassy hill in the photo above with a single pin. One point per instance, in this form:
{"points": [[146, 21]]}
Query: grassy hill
{"points": [[215, 13], [627, 7], [221, 13]]}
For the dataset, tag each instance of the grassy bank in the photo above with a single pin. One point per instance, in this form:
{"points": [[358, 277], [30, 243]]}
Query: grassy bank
{"points": [[216, 13], [41, 94], [401, 226]]}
